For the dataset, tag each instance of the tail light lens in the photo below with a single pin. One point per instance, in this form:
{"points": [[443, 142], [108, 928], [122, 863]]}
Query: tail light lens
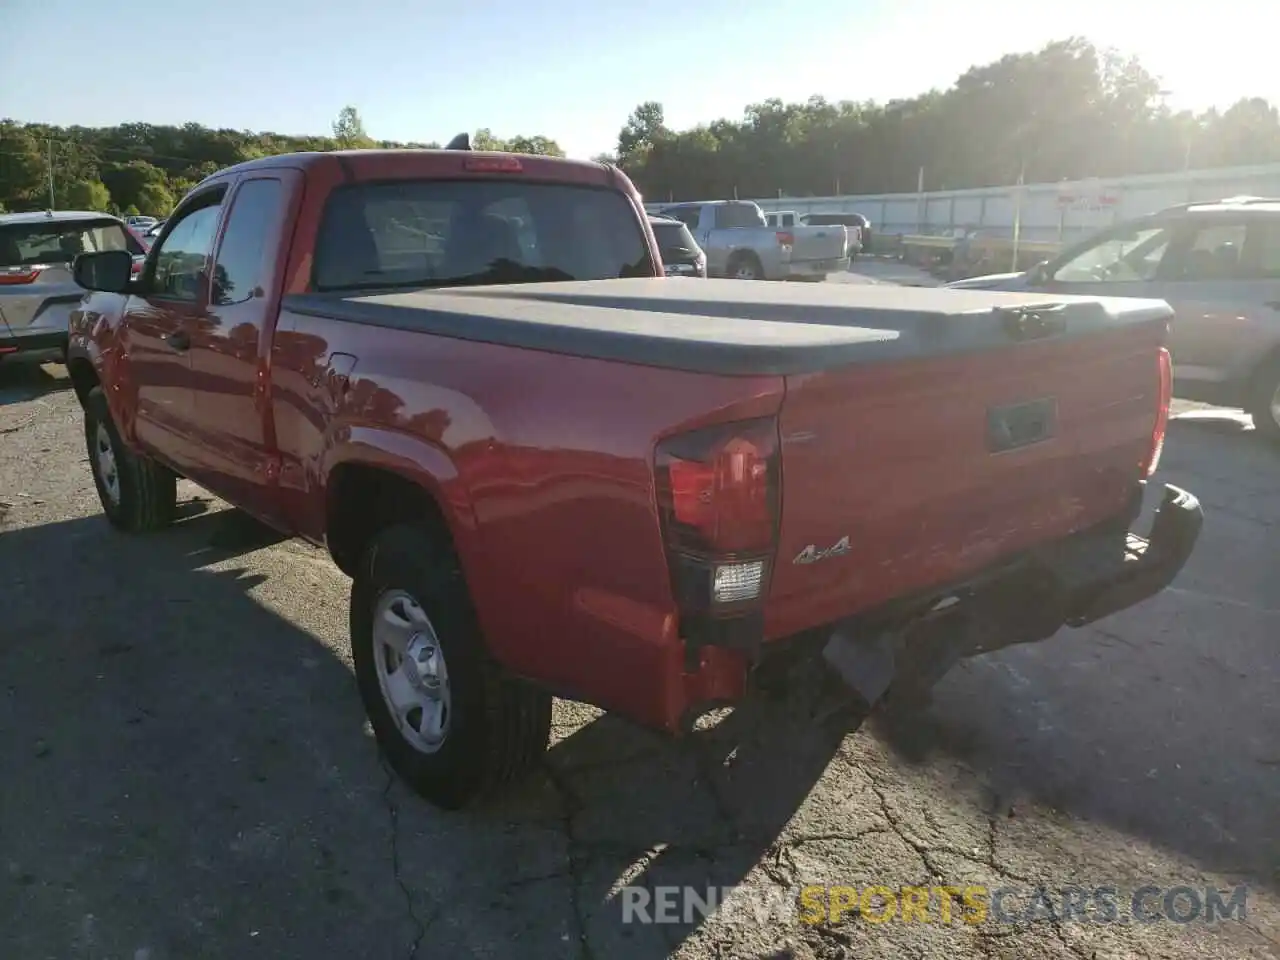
{"points": [[19, 275], [718, 497], [1164, 372], [786, 238]]}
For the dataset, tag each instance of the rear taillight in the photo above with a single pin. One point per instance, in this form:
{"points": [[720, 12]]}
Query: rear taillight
{"points": [[718, 496], [20, 275], [785, 238], [1164, 372]]}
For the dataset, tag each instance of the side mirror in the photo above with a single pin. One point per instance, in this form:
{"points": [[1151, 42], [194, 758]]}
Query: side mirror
{"points": [[1038, 274], [109, 271]]}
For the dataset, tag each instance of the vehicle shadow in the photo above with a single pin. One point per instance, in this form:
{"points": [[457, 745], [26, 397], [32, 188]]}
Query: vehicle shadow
{"points": [[1158, 723], [187, 773], [21, 381]]}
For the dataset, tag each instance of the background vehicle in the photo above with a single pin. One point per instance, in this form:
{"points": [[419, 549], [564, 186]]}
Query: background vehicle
{"points": [[37, 290], [859, 228], [681, 255], [781, 218], [739, 244], [1218, 266], [548, 469], [140, 223]]}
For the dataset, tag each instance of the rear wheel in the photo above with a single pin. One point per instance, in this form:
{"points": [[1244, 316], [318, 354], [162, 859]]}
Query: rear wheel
{"points": [[450, 722], [745, 266], [1264, 400], [137, 494]]}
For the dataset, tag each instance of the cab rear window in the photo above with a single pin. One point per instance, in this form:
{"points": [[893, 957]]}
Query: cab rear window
{"points": [[472, 232]]}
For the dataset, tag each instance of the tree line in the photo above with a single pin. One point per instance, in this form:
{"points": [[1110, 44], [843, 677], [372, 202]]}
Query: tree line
{"points": [[145, 168], [1068, 111]]}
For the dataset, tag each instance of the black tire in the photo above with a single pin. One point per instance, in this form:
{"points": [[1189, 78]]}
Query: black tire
{"points": [[747, 262], [498, 725], [146, 492], [1262, 390]]}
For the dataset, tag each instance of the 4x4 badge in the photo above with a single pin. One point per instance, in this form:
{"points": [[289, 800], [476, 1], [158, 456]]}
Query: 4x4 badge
{"points": [[811, 554]]}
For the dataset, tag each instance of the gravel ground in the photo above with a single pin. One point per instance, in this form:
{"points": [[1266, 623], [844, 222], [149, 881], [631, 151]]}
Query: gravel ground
{"points": [[185, 771]]}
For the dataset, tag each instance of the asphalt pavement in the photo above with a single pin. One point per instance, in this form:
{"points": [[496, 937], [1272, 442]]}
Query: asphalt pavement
{"points": [[185, 771]]}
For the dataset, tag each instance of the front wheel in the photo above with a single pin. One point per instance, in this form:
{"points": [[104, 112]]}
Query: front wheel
{"points": [[1264, 400], [450, 722], [137, 494]]}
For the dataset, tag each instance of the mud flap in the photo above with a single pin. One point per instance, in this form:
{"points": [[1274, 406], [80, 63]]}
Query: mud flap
{"points": [[867, 665]]}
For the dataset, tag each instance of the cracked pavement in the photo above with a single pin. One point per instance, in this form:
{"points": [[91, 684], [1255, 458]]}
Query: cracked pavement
{"points": [[185, 771]]}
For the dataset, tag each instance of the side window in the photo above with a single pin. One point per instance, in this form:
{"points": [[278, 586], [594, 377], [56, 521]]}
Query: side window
{"points": [[183, 259], [1264, 240], [254, 216], [1124, 256], [687, 215], [1214, 253]]}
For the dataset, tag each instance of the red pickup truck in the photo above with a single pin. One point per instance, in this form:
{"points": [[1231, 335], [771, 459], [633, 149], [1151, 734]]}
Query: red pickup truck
{"points": [[549, 470]]}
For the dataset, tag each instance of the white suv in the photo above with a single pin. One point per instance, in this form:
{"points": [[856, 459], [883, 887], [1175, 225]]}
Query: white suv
{"points": [[1218, 265]]}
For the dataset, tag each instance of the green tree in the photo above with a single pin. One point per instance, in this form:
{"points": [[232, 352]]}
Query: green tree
{"points": [[84, 195], [348, 130], [645, 127], [541, 146], [155, 198], [23, 169], [483, 139]]}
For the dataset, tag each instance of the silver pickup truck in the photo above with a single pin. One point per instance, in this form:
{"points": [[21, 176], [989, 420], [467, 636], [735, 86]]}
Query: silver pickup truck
{"points": [[739, 243]]}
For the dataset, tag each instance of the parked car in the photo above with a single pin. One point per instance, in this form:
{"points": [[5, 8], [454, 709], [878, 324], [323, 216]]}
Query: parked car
{"points": [[859, 228], [550, 470], [740, 244], [37, 290], [680, 253], [1218, 265], [140, 223]]}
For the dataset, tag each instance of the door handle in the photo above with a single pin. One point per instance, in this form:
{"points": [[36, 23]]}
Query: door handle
{"points": [[179, 340]]}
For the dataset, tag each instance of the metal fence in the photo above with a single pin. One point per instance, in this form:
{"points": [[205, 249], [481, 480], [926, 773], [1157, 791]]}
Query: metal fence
{"points": [[1050, 212]]}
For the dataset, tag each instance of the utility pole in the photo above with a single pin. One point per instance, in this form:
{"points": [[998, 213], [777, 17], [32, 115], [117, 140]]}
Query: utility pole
{"points": [[51, 173]]}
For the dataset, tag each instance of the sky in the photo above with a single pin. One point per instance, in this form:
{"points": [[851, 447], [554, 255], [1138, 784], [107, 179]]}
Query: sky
{"points": [[569, 70]]}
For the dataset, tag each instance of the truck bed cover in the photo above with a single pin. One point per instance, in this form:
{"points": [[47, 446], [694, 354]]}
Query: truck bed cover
{"points": [[728, 327]]}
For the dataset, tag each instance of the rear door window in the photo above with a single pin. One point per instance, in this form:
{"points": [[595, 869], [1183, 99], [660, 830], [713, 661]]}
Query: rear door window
{"points": [[1263, 254], [1213, 252], [471, 232], [732, 215]]}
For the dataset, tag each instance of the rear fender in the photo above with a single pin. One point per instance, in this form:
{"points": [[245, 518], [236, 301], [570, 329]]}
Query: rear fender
{"points": [[412, 458]]}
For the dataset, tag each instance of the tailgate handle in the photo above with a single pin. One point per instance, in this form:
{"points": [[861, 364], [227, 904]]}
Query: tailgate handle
{"points": [[1033, 323]]}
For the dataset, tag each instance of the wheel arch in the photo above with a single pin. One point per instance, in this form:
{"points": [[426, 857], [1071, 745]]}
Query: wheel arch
{"points": [[378, 481]]}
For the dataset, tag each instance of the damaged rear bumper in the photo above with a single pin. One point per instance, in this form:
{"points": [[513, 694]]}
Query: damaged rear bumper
{"points": [[1073, 583], [1146, 567]]}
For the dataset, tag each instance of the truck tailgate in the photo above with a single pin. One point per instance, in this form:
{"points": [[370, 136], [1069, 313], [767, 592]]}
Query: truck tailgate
{"points": [[819, 243], [937, 466]]}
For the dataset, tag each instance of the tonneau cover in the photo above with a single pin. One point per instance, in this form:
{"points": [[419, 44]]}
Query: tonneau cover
{"points": [[728, 327]]}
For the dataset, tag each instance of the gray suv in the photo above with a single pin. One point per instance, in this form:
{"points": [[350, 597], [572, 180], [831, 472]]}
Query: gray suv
{"points": [[1218, 265], [37, 292]]}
